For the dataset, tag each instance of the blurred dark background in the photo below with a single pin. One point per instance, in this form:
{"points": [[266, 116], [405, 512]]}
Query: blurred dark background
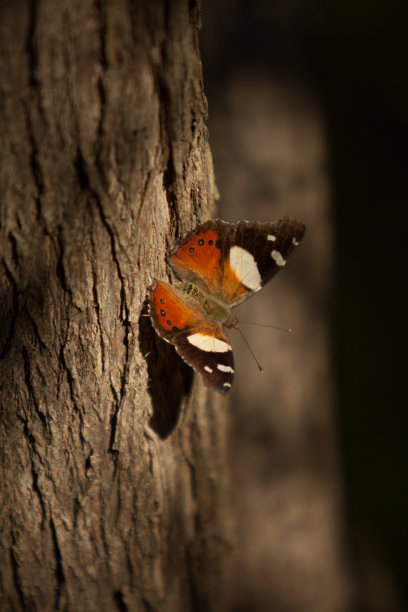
{"points": [[327, 82]]}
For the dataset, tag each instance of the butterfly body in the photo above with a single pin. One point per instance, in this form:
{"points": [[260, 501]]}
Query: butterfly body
{"points": [[211, 308], [220, 265]]}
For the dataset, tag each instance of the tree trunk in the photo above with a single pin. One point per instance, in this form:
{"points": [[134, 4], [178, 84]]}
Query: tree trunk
{"points": [[113, 483]]}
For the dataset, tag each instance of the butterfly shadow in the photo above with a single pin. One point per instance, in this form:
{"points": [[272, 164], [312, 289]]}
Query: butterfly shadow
{"points": [[170, 379]]}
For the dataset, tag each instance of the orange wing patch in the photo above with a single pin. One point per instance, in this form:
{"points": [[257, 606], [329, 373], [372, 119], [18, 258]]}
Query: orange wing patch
{"points": [[172, 314], [199, 259], [169, 310]]}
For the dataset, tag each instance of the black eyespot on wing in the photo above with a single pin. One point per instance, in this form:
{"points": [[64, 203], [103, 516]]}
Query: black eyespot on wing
{"points": [[161, 301], [168, 322], [191, 249], [175, 328], [201, 242], [210, 242], [163, 313], [218, 244]]}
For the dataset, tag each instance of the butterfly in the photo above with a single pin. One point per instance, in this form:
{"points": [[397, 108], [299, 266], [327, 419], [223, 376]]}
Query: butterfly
{"points": [[219, 265]]}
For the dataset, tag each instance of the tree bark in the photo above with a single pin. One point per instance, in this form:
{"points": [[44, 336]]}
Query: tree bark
{"points": [[113, 482]]}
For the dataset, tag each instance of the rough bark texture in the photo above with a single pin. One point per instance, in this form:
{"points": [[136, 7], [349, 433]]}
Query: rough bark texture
{"points": [[113, 475]]}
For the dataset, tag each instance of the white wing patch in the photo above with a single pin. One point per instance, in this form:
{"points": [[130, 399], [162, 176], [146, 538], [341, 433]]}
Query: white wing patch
{"points": [[271, 237], [244, 266], [208, 343], [208, 369], [224, 368], [276, 256]]}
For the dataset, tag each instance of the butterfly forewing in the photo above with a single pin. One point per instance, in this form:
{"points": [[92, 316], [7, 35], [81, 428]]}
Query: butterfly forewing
{"points": [[234, 260], [263, 250]]}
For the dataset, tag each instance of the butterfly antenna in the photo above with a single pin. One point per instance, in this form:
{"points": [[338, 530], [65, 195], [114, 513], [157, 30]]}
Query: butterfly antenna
{"points": [[250, 350], [288, 330]]}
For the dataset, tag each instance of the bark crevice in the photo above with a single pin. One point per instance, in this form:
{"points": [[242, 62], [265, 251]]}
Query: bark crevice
{"points": [[16, 574], [59, 570], [10, 319]]}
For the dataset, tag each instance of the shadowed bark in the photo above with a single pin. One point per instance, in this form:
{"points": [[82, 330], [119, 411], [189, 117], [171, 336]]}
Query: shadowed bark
{"points": [[113, 482]]}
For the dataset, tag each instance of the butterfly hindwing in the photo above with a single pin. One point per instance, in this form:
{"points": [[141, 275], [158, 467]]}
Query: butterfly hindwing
{"points": [[203, 344], [208, 351]]}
